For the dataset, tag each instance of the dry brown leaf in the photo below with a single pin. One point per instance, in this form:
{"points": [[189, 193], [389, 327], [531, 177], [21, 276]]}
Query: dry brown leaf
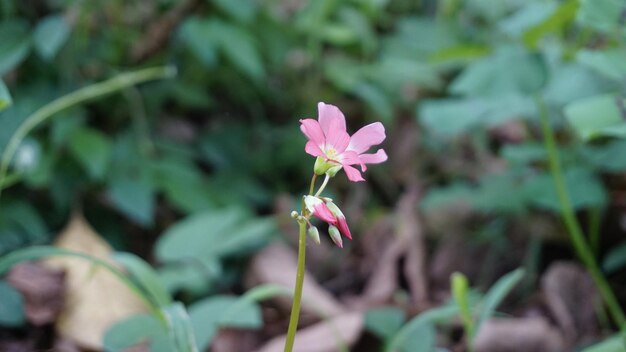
{"points": [[95, 298], [229, 340], [43, 291], [569, 294], [523, 335], [325, 336], [276, 264], [408, 244]]}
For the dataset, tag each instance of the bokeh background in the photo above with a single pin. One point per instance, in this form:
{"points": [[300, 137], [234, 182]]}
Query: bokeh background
{"points": [[197, 173]]}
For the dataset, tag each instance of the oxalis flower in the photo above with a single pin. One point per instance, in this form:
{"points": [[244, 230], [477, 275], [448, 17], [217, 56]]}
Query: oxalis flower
{"points": [[335, 148], [325, 210]]}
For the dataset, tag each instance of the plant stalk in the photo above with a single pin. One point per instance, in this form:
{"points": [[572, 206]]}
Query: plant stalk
{"points": [[81, 95], [582, 248], [297, 295]]}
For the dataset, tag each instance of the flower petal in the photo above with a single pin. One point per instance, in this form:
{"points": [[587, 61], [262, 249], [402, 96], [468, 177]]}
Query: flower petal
{"points": [[366, 137], [328, 113], [337, 137], [352, 158], [312, 148], [377, 158], [343, 227], [353, 174], [322, 212], [313, 131]]}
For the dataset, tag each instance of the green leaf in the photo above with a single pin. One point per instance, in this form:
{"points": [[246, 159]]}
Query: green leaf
{"points": [[556, 22], [194, 32], [50, 35], [602, 15], [11, 306], [615, 259], [510, 70], [212, 234], [496, 294], [145, 276], [181, 329], [616, 343], [460, 288], [571, 82], [93, 149], [5, 96], [239, 48], [385, 321], [418, 335], [193, 277], [15, 44], [609, 62], [598, 115], [602, 157], [183, 184], [451, 117], [212, 313], [584, 187], [137, 329], [134, 197], [241, 10], [529, 16]]}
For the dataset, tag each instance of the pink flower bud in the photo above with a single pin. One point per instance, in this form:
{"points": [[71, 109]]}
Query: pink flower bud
{"points": [[342, 224]]}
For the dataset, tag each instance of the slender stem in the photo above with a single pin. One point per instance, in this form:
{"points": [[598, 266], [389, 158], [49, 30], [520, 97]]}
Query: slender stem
{"points": [[581, 247], [312, 187], [297, 295], [79, 96], [594, 229], [319, 191]]}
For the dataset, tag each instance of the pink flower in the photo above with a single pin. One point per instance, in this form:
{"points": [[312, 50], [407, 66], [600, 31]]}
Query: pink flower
{"points": [[328, 212], [328, 138]]}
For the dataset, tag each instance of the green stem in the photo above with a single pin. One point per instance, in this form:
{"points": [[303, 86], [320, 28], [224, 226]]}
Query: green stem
{"points": [[594, 229], [573, 227], [79, 96], [297, 295], [319, 191]]}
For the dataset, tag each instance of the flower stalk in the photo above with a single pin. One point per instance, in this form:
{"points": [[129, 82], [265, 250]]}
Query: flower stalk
{"points": [[334, 150], [582, 248]]}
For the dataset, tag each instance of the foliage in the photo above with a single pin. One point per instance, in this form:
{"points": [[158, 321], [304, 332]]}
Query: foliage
{"points": [[195, 163]]}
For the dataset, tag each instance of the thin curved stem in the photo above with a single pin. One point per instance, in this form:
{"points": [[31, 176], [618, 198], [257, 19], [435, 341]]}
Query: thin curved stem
{"points": [[297, 295], [582, 248], [312, 187], [319, 191], [79, 96]]}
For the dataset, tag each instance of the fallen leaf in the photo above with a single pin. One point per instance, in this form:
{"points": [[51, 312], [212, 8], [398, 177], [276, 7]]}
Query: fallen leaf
{"points": [[276, 264], [42, 289], [229, 340], [523, 335], [95, 298], [406, 243], [325, 336], [569, 293]]}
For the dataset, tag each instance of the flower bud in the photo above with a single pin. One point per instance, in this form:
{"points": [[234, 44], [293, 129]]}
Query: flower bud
{"points": [[294, 214], [332, 171], [314, 234], [334, 209], [333, 231], [322, 165]]}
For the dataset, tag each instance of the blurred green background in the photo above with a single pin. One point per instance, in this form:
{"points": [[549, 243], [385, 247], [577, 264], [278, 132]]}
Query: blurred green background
{"points": [[197, 173]]}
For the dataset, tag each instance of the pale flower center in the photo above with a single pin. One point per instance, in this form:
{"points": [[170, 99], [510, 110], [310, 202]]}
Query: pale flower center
{"points": [[331, 153]]}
